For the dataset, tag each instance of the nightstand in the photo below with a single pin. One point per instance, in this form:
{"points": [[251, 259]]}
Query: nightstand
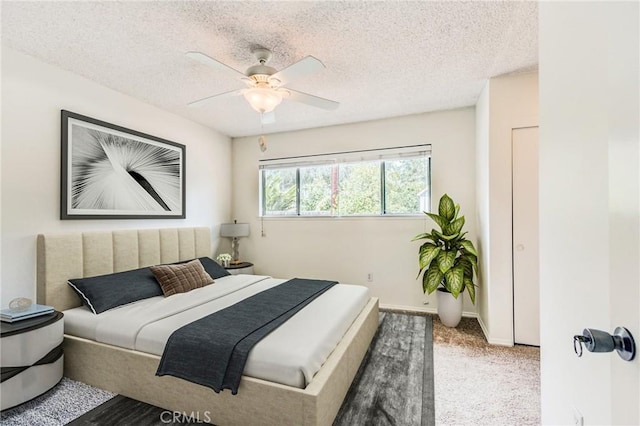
{"points": [[32, 358], [240, 268]]}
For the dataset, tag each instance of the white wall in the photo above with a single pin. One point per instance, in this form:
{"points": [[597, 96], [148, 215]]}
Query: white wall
{"points": [[33, 93], [347, 249], [512, 102], [589, 205], [482, 201]]}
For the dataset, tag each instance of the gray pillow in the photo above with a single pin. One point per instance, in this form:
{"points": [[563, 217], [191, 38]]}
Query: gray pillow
{"points": [[213, 268], [105, 292]]}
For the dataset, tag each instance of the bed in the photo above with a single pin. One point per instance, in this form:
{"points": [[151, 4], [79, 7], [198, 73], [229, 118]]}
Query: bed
{"points": [[131, 372]]}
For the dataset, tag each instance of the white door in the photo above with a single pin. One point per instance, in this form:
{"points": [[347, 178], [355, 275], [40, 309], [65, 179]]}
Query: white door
{"points": [[526, 286], [589, 179]]}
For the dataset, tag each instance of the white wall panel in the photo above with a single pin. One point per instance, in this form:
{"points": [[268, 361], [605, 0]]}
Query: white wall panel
{"points": [[512, 102], [33, 93], [348, 249]]}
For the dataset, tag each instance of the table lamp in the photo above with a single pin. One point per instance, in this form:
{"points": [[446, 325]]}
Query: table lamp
{"points": [[234, 230]]}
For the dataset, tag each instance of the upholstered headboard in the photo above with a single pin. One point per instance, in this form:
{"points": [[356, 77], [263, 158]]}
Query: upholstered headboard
{"points": [[64, 256]]}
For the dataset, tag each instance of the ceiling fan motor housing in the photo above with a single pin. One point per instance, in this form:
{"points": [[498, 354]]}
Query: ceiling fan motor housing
{"points": [[262, 54], [260, 69], [257, 71]]}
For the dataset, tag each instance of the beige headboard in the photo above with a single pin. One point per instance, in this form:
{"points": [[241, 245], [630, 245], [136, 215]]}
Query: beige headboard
{"points": [[64, 256]]}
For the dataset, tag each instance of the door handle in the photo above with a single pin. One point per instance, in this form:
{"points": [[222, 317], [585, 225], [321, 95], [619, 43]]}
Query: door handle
{"points": [[601, 341]]}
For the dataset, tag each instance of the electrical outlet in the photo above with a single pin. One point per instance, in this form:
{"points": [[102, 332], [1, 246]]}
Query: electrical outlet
{"points": [[578, 420], [370, 277]]}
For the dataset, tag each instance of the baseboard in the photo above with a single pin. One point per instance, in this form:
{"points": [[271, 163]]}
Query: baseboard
{"points": [[492, 341], [421, 310]]}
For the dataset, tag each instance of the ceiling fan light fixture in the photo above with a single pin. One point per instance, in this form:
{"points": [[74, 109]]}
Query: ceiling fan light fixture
{"points": [[263, 99], [266, 87]]}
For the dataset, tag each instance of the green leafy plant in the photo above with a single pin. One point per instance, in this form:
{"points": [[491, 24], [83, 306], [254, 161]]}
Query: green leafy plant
{"points": [[447, 258]]}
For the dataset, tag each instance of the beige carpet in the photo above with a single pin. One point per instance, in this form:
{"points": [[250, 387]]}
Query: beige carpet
{"points": [[481, 384]]}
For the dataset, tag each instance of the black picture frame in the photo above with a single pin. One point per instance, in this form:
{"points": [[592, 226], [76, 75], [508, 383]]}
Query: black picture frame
{"points": [[111, 172]]}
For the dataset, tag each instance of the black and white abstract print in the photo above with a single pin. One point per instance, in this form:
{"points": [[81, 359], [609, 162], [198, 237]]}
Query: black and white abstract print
{"points": [[115, 174]]}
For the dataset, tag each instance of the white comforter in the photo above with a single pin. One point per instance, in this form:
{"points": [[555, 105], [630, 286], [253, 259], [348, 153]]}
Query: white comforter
{"points": [[290, 355]]}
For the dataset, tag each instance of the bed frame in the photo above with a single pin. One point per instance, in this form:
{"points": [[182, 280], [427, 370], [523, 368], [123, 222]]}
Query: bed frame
{"points": [[132, 373]]}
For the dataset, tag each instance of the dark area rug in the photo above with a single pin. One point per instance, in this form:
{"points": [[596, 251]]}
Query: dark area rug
{"points": [[123, 411], [393, 386]]}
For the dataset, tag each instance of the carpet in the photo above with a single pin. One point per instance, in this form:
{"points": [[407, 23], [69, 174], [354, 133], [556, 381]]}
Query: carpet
{"points": [[394, 386], [66, 401], [481, 384]]}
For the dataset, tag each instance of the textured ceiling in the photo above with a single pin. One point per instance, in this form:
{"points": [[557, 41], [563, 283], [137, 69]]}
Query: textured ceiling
{"points": [[383, 59]]}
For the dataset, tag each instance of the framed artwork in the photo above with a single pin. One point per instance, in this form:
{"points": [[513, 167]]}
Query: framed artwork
{"points": [[110, 172]]}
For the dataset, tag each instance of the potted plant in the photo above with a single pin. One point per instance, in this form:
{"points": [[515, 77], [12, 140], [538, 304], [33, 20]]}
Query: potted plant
{"points": [[224, 259], [448, 261]]}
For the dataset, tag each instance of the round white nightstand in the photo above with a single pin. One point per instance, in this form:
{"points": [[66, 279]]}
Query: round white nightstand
{"points": [[240, 268], [32, 358]]}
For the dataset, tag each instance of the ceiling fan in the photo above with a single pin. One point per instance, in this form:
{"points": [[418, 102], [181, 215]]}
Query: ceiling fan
{"points": [[265, 85]]}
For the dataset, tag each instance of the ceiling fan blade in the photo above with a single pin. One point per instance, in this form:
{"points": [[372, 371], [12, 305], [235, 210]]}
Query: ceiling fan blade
{"points": [[203, 101], [213, 63], [311, 100], [304, 67], [268, 117]]}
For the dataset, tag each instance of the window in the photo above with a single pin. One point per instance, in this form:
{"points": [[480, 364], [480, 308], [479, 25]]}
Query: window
{"points": [[317, 193], [359, 189], [393, 181], [280, 191], [403, 179]]}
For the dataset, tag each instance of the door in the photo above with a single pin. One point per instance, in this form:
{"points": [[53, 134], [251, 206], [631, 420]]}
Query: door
{"points": [[589, 207], [526, 285]]}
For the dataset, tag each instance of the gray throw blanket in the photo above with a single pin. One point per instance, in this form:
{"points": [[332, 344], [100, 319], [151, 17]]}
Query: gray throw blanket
{"points": [[213, 350]]}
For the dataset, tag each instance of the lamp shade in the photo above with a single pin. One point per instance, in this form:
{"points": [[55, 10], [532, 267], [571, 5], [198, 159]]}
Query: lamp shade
{"points": [[263, 99], [234, 230]]}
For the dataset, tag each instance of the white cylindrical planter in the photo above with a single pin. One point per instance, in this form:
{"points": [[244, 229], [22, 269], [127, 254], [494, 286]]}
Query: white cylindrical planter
{"points": [[449, 308]]}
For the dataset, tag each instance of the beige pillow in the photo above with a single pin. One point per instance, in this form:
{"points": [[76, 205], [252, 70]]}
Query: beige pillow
{"points": [[181, 278]]}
